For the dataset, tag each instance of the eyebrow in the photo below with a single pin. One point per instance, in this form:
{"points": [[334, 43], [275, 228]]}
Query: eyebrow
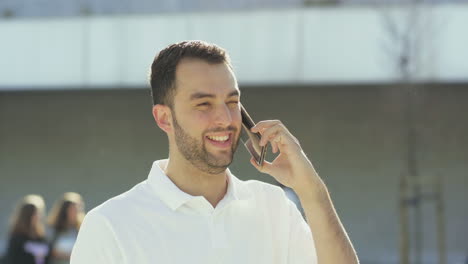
{"points": [[196, 96]]}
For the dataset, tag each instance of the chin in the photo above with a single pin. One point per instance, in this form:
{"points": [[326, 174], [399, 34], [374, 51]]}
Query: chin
{"points": [[223, 158], [216, 161]]}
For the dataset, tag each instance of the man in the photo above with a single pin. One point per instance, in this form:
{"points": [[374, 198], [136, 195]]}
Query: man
{"points": [[192, 209]]}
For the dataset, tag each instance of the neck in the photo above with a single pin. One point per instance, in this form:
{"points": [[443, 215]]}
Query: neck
{"points": [[195, 182]]}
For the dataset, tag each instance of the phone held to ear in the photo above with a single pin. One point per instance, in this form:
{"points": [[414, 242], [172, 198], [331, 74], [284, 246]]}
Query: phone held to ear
{"points": [[252, 140]]}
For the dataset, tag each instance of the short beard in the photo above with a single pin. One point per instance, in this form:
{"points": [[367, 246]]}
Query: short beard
{"points": [[195, 151]]}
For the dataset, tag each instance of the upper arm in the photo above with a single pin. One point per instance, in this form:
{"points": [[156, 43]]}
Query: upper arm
{"points": [[96, 242]]}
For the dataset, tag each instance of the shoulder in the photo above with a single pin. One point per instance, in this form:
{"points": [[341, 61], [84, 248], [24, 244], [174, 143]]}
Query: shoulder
{"points": [[264, 186], [261, 191], [120, 204], [97, 241], [259, 187], [17, 239], [270, 201]]}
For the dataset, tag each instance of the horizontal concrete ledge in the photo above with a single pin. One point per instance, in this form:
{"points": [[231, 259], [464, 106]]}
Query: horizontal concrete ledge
{"points": [[329, 45], [397, 85]]}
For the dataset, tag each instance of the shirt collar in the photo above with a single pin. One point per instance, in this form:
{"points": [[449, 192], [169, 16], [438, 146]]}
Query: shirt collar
{"points": [[173, 197]]}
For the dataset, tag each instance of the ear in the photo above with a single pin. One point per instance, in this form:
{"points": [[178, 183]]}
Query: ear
{"points": [[163, 116]]}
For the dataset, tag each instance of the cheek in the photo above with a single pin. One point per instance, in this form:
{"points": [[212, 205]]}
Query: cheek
{"points": [[72, 214], [34, 219], [236, 118], [196, 123], [237, 114]]}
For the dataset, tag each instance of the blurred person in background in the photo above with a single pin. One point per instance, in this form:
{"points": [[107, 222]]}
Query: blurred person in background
{"points": [[27, 243], [64, 220], [191, 208]]}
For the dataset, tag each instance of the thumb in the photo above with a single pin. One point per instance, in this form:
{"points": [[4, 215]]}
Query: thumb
{"points": [[265, 168]]}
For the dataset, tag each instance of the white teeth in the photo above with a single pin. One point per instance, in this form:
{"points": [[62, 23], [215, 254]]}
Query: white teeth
{"points": [[218, 138]]}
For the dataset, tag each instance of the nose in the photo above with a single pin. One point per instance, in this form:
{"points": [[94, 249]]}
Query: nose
{"points": [[223, 116]]}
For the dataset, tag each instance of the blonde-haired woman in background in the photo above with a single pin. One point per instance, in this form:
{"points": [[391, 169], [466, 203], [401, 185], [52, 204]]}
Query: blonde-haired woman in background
{"points": [[65, 219], [27, 243]]}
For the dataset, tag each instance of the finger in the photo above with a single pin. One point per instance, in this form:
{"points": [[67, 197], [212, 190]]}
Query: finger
{"points": [[274, 146], [283, 136], [262, 125], [284, 141], [270, 133]]}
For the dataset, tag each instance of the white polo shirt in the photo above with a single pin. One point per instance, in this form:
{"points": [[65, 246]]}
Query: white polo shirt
{"points": [[155, 222]]}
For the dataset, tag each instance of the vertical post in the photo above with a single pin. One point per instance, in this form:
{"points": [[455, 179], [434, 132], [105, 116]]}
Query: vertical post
{"points": [[404, 234], [440, 219], [417, 221], [413, 172]]}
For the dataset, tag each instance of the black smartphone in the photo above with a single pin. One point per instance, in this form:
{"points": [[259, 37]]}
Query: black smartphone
{"points": [[252, 140]]}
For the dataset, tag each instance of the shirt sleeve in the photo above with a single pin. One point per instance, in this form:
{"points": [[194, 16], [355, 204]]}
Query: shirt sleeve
{"points": [[96, 242], [301, 242]]}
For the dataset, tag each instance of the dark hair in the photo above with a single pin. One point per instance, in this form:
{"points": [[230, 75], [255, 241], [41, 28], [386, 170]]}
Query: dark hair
{"points": [[58, 216], [21, 222], [163, 69], [61, 223]]}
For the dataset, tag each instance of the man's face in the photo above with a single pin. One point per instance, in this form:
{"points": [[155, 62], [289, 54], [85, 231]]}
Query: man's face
{"points": [[206, 114]]}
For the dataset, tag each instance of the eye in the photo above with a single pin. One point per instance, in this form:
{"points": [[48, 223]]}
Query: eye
{"points": [[203, 104], [233, 102]]}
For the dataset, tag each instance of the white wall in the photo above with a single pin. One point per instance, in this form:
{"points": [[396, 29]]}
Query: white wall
{"points": [[319, 45]]}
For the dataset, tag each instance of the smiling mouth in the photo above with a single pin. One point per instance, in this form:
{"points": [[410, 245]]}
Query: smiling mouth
{"points": [[219, 138]]}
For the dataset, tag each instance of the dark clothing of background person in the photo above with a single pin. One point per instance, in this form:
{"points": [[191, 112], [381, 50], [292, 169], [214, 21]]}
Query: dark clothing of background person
{"points": [[25, 250]]}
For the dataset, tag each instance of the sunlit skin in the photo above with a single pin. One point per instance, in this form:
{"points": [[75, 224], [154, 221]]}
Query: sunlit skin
{"points": [[72, 213], [36, 218], [206, 104]]}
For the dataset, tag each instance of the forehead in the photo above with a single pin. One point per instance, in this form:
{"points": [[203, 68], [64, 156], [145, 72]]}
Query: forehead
{"points": [[198, 76]]}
